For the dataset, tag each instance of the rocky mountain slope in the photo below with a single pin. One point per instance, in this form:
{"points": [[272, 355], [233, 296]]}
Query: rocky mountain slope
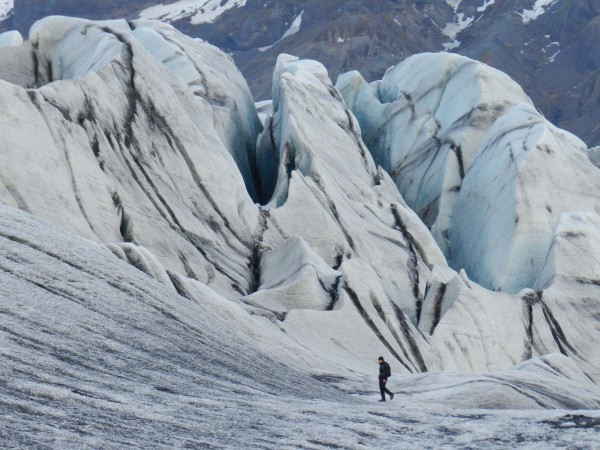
{"points": [[169, 254], [547, 46]]}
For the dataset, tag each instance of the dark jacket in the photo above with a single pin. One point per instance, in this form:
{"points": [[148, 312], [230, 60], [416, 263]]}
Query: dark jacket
{"points": [[384, 371]]}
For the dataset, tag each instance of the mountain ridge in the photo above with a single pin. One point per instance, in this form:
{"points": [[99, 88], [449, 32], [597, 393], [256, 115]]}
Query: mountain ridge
{"points": [[548, 47]]}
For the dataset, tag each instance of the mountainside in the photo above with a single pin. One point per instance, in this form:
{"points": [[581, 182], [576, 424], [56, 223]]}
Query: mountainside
{"points": [[547, 46], [183, 260]]}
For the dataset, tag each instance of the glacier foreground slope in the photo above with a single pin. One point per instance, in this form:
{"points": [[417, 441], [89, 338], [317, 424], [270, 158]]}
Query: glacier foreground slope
{"points": [[213, 265], [96, 353]]}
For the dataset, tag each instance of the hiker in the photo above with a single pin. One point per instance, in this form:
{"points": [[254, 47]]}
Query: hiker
{"points": [[384, 373]]}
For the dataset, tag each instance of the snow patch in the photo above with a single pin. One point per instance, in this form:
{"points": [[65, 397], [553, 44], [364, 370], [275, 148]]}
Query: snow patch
{"points": [[454, 4], [451, 45], [555, 54], [6, 7], [453, 29], [538, 9], [553, 57], [485, 5], [200, 11], [293, 29]]}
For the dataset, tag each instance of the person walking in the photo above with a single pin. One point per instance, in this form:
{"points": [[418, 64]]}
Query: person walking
{"points": [[384, 373]]}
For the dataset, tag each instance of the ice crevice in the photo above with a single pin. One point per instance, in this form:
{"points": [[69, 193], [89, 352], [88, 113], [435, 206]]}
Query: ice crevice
{"points": [[413, 267]]}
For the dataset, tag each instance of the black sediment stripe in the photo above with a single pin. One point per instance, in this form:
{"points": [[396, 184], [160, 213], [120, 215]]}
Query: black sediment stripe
{"points": [[437, 313], [354, 297]]}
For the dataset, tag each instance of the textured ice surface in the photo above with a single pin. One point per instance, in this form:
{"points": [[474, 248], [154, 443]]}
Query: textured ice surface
{"points": [[127, 164], [526, 174], [96, 353], [425, 122]]}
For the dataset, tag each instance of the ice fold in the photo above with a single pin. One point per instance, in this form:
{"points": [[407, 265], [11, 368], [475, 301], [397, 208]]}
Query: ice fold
{"points": [[437, 123], [511, 202], [129, 165]]}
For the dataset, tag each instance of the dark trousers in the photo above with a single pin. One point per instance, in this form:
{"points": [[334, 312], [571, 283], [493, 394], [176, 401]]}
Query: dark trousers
{"points": [[384, 390]]}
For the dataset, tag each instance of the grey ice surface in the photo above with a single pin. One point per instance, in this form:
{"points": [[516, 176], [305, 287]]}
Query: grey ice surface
{"points": [[95, 354]]}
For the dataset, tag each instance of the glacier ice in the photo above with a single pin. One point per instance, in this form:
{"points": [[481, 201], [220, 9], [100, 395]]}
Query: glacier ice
{"points": [[97, 353], [149, 159], [594, 154], [426, 130], [184, 260], [11, 39], [464, 121], [526, 174]]}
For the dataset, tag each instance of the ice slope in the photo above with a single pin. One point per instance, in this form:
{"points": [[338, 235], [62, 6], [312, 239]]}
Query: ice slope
{"points": [[96, 353], [93, 348]]}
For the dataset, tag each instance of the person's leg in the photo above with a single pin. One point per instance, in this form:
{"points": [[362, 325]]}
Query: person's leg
{"points": [[382, 389], [390, 393]]}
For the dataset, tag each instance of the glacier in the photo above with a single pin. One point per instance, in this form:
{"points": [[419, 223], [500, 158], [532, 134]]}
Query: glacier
{"points": [[437, 138], [175, 259]]}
